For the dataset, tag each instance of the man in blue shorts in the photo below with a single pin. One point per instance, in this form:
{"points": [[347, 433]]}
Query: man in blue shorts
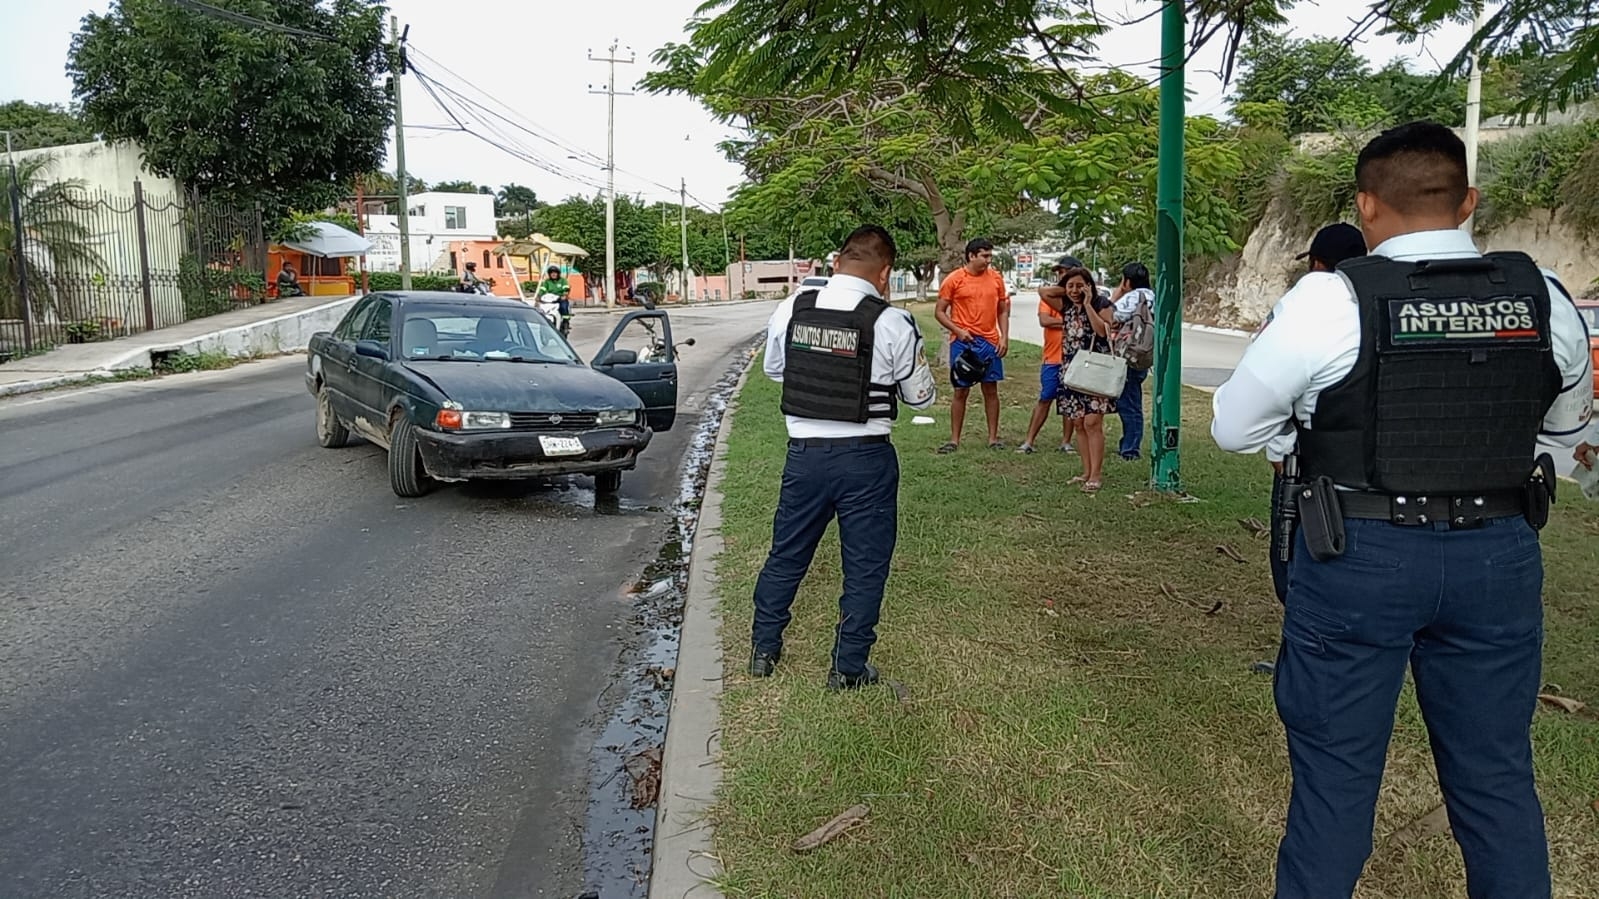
{"points": [[974, 307]]}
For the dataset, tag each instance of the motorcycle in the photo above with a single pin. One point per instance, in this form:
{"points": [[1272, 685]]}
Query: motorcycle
{"points": [[658, 351], [549, 306], [474, 287]]}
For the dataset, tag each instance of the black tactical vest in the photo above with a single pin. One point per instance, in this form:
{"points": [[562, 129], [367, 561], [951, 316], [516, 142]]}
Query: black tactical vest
{"points": [[827, 365], [1453, 380]]}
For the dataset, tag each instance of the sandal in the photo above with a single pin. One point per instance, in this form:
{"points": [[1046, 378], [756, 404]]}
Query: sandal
{"points": [[997, 445], [1077, 480], [948, 448], [1025, 449], [1091, 486], [1067, 448]]}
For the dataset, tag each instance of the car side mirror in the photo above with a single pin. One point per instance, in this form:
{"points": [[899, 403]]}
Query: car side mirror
{"points": [[371, 349], [622, 357]]}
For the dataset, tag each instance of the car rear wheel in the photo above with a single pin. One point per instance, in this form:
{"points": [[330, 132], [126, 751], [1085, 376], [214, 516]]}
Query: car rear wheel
{"points": [[607, 483], [406, 474], [330, 432]]}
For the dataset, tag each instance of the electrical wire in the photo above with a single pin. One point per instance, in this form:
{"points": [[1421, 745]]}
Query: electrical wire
{"points": [[516, 120], [216, 12]]}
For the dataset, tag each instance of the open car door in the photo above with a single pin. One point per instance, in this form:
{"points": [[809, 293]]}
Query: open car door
{"points": [[640, 354]]}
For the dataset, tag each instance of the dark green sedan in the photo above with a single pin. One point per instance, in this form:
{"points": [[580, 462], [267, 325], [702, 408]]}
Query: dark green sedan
{"points": [[461, 387]]}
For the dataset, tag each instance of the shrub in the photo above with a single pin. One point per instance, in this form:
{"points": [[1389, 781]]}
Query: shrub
{"points": [[391, 281], [1547, 169]]}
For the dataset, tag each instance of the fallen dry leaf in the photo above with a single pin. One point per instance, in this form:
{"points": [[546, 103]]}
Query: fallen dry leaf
{"points": [[821, 836], [1231, 553], [645, 769], [1255, 526], [1432, 824], [1216, 608], [1563, 703]]}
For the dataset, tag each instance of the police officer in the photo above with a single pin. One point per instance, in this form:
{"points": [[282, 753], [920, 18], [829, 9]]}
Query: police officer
{"points": [[846, 359], [1331, 246], [1419, 383]]}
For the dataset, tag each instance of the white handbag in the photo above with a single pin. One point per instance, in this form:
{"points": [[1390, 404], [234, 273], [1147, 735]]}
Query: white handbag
{"points": [[1096, 374]]}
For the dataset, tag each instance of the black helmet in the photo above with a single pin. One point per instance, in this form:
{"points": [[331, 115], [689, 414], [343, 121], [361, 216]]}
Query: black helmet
{"points": [[968, 368], [553, 270], [471, 266]]}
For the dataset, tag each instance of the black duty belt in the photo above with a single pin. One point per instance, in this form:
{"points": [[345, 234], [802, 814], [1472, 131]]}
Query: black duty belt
{"points": [[838, 441], [1460, 511]]}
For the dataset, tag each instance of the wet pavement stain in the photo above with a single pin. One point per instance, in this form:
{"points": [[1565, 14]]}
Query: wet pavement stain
{"points": [[624, 766]]}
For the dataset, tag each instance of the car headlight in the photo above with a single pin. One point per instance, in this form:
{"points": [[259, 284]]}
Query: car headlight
{"points": [[616, 417], [460, 420]]}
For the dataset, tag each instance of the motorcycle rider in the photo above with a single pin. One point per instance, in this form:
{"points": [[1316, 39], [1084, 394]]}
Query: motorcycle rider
{"points": [[470, 282], [554, 289]]}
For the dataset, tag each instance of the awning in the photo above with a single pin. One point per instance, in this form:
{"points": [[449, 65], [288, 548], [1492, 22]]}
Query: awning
{"points": [[538, 245], [331, 242]]}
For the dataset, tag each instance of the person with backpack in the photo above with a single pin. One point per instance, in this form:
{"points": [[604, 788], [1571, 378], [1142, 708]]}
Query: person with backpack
{"points": [[1135, 342]]}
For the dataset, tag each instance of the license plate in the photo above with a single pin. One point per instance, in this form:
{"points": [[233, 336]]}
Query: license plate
{"points": [[561, 446]]}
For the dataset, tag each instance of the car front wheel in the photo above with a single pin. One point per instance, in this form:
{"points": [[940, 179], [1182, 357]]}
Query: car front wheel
{"points": [[607, 483], [330, 432], [406, 474]]}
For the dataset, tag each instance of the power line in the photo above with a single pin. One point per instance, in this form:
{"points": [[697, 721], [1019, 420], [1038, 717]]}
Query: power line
{"points": [[216, 12], [521, 123]]}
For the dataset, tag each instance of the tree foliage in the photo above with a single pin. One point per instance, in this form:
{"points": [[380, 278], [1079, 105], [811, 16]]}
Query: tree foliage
{"points": [[582, 222], [461, 187], [236, 109], [42, 125], [515, 199]]}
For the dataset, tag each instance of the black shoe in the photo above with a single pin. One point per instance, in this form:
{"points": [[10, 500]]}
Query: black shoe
{"points": [[837, 680], [762, 664]]}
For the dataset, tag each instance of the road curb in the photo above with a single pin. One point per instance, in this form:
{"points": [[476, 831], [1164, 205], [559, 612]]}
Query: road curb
{"points": [[684, 857]]}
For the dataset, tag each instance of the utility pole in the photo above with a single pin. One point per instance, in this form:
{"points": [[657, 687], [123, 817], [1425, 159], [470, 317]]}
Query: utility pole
{"points": [[1473, 107], [399, 153], [1166, 474], [610, 59], [360, 226], [15, 191], [688, 291]]}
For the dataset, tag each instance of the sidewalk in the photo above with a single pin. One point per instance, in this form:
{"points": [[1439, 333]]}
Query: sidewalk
{"points": [[276, 327], [1073, 712]]}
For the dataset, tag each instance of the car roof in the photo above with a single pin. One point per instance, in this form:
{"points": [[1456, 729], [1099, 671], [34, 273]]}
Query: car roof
{"points": [[447, 298]]}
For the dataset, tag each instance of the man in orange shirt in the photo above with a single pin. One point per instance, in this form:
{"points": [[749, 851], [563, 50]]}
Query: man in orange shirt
{"points": [[974, 307], [1049, 372]]}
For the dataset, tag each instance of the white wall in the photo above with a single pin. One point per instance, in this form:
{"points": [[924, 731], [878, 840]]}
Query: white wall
{"points": [[99, 166], [429, 231]]}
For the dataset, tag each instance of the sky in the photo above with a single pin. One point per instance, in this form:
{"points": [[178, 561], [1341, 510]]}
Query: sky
{"points": [[531, 63]]}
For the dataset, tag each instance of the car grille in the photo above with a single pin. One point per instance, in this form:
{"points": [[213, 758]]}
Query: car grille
{"points": [[545, 421]]}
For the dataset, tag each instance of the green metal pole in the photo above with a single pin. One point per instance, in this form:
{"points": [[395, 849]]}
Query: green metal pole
{"points": [[1168, 378]]}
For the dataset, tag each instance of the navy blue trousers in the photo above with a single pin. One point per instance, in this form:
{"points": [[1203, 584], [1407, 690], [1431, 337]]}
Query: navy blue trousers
{"points": [[1462, 610], [1130, 407], [859, 485]]}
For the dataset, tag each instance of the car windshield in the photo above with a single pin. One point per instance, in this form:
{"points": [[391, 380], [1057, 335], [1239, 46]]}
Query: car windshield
{"points": [[481, 334], [1590, 314]]}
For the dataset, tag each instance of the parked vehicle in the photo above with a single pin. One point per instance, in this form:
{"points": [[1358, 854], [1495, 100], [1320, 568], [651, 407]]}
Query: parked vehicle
{"points": [[460, 387], [1590, 314]]}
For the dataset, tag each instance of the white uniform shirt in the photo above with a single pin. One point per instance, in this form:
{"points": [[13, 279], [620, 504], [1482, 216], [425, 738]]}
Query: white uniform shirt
{"points": [[1127, 306], [896, 354], [1314, 339]]}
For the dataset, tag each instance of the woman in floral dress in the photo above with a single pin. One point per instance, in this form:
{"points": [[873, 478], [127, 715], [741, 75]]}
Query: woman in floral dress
{"points": [[1087, 328]]}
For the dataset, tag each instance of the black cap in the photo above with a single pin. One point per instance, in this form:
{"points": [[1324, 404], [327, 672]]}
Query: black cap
{"points": [[1068, 262], [1335, 243]]}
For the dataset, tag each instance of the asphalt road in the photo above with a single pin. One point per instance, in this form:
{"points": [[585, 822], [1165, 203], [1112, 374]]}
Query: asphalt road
{"points": [[235, 664]]}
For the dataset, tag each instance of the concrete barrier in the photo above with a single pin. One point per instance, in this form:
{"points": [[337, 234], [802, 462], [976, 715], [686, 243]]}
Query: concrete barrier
{"points": [[280, 334]]}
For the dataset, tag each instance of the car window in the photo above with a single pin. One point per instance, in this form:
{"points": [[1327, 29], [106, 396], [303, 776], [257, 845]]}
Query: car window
{"points": [[476, 334], [355, 320], [1590, 314], [377, 325]]}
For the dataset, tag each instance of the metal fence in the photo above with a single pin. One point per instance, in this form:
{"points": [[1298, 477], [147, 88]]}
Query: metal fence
{"points": [[93, 266]]}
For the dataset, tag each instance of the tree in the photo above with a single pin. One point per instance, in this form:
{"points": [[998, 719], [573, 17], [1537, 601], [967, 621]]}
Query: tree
{"points": [[42, 125], [55, 238], [461, 187], [582, 222], [246, 111], [514, 199], [1301, 82]]}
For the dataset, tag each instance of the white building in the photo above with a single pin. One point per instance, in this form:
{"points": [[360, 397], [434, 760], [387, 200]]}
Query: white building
{"points": [[436, 220]]}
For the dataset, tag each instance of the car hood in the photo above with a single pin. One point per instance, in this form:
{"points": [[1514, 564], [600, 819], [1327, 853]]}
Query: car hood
{"points": [[526, 387]]}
